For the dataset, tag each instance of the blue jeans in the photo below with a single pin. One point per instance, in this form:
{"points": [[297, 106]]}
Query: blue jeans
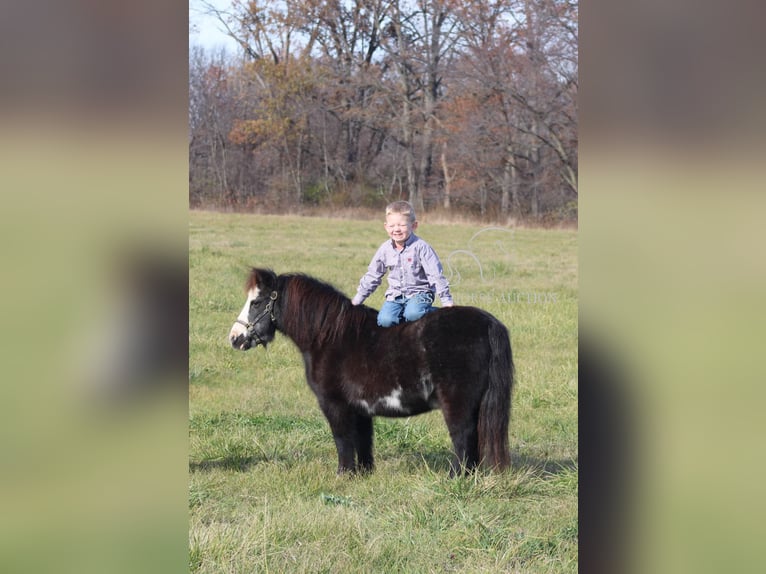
{"points": [[408, 308]]}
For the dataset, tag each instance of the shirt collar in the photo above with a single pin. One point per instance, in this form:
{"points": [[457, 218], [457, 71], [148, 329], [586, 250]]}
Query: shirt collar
{"points": [[410, 240]]}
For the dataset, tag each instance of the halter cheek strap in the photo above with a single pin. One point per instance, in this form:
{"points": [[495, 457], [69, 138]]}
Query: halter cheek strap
{"points": [[269, 310]]}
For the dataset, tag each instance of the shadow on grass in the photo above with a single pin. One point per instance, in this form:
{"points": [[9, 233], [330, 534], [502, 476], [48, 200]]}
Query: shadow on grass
{"points": [[440, 460], [437, 461], [543, 466], [235, 464], [245, 463]]}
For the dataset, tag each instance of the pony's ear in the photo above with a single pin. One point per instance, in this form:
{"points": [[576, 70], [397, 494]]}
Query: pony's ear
{"points": [[268, 279], [264, 279]]}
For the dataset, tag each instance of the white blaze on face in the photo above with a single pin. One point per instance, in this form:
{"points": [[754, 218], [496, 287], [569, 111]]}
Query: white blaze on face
{"points": [[238, 329]]}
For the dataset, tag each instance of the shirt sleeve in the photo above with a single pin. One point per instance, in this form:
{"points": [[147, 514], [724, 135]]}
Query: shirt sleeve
{"points": [[435, 273], [372, 279]]}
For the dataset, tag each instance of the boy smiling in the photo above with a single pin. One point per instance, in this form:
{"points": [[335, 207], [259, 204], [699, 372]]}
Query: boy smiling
{"points": [[415, 273]]}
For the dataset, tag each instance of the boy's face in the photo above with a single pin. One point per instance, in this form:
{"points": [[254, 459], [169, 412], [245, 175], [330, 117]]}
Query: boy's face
{"points": [[399, 227]]}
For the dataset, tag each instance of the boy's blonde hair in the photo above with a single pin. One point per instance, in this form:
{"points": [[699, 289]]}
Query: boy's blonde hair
{"points": [[401, 208]]}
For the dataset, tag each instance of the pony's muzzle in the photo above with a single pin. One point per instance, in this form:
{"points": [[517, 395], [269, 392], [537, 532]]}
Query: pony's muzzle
{"points": [[245, 341], [239, 339], [239, 342]]}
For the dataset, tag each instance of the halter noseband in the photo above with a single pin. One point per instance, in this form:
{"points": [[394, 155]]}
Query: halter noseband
{"points": [[269, 310]]}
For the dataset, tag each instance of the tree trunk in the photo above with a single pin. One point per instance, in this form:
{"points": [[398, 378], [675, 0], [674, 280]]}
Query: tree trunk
{"points": [[447, 177], [409, 153]]}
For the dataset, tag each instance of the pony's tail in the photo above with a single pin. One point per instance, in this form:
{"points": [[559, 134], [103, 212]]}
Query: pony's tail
{"points": [[495, 408]]}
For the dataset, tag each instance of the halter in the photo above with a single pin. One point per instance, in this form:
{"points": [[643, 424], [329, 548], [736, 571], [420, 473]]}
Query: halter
{"points": [[269, 310]]}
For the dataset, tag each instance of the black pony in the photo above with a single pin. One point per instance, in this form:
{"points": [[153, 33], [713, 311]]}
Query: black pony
{"points": [[457, 359]]}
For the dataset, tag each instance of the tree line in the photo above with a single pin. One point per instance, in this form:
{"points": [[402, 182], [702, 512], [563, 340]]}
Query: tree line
{"points": [[452, 105]]}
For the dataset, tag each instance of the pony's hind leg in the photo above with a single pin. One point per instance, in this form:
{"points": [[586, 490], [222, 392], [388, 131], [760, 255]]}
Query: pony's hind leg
{"points": [[465, 441], [466, 457]]}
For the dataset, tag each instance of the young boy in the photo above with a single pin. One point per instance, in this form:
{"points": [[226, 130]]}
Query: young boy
{"points": [[414, 271]]}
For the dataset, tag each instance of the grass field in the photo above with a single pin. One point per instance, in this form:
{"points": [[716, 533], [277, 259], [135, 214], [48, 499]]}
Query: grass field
{"points": [[263, 493]]}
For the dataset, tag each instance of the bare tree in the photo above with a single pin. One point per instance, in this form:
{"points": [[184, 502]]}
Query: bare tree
{"points": [[209, 123], [469, 104]]}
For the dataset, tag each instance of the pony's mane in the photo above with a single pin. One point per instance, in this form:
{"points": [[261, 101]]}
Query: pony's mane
{"points": [[316, 312]]}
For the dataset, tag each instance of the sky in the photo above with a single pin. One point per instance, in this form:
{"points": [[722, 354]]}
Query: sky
{"points": [[205, 30]]}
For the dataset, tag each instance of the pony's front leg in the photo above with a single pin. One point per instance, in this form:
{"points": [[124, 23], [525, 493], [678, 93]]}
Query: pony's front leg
{"points": [[363, 443], [346, 453], [343, 429]]}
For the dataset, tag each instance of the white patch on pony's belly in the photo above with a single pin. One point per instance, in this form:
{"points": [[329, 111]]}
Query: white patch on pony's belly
{"points": [[365, 405], [391, 404], [392, 401], [427, 389]]}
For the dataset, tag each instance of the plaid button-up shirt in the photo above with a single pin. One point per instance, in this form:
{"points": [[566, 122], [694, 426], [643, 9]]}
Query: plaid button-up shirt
{"points": [[415, 269]]}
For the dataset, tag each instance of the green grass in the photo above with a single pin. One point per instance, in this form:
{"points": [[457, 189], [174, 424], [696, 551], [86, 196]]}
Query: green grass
{"points": [[263, 494]]}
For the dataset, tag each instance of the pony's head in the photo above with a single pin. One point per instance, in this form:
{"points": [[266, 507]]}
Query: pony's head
{"points": [[255, 324]]}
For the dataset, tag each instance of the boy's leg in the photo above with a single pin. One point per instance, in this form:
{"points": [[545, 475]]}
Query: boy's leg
{"points": [[417, 306], [390, 313]]}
